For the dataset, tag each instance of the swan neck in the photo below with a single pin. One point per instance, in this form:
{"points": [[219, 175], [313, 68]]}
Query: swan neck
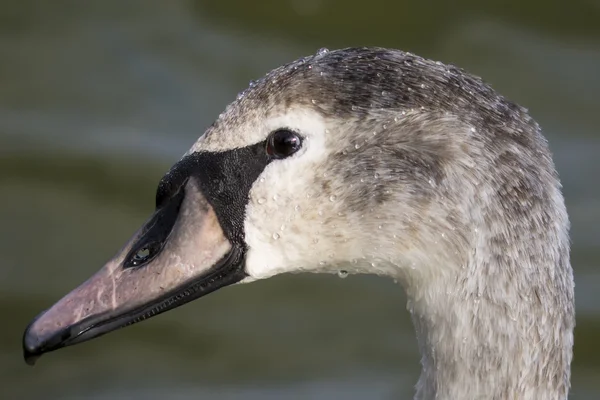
{"points": [[508, 337]]}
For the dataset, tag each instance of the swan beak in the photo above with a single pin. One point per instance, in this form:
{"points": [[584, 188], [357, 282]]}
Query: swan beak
{"points": [[179, 255]]}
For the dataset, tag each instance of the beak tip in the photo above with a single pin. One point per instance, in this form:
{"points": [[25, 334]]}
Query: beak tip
{"points": [[31, 345], [30, 358]]}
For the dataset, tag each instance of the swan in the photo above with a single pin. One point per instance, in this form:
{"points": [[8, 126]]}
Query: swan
{"points": [[364, 161]]}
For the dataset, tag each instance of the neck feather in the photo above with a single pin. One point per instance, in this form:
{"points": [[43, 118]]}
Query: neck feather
{"points": [[499, 326]]}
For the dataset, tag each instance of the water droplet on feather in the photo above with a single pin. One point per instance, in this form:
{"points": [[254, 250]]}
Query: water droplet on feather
{"points": [[342, 273]]}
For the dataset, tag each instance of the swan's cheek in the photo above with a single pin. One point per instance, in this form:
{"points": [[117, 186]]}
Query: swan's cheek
{"points": [[273, 251], [263, 259]]}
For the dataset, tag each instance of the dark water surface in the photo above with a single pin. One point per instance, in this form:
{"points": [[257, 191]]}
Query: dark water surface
{"points": [[99, 98]]}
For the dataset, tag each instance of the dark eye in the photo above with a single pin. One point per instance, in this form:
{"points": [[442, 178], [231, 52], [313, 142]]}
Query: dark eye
{"points": [[283, 143], [144, 254]]}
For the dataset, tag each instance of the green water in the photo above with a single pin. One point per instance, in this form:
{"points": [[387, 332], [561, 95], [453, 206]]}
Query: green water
{"points": [[99, 98]]}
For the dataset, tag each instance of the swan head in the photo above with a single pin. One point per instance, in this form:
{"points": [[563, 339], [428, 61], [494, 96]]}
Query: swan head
{"points": [[356, 160]]}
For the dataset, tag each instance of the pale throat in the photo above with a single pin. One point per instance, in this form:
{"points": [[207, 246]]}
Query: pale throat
{"points": [[474, 343], [445, 319]]}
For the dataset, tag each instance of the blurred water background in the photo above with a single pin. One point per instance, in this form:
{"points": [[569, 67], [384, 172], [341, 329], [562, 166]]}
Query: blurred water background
{"points": [[99, 98]]}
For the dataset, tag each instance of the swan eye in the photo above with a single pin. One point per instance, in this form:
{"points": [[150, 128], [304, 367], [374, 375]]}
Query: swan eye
{"points": [[283, 143], [144, 254]]}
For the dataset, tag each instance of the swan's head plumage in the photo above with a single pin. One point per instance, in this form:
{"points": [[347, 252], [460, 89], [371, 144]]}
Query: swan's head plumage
{"points": [[407, 168], [400, 156]]}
